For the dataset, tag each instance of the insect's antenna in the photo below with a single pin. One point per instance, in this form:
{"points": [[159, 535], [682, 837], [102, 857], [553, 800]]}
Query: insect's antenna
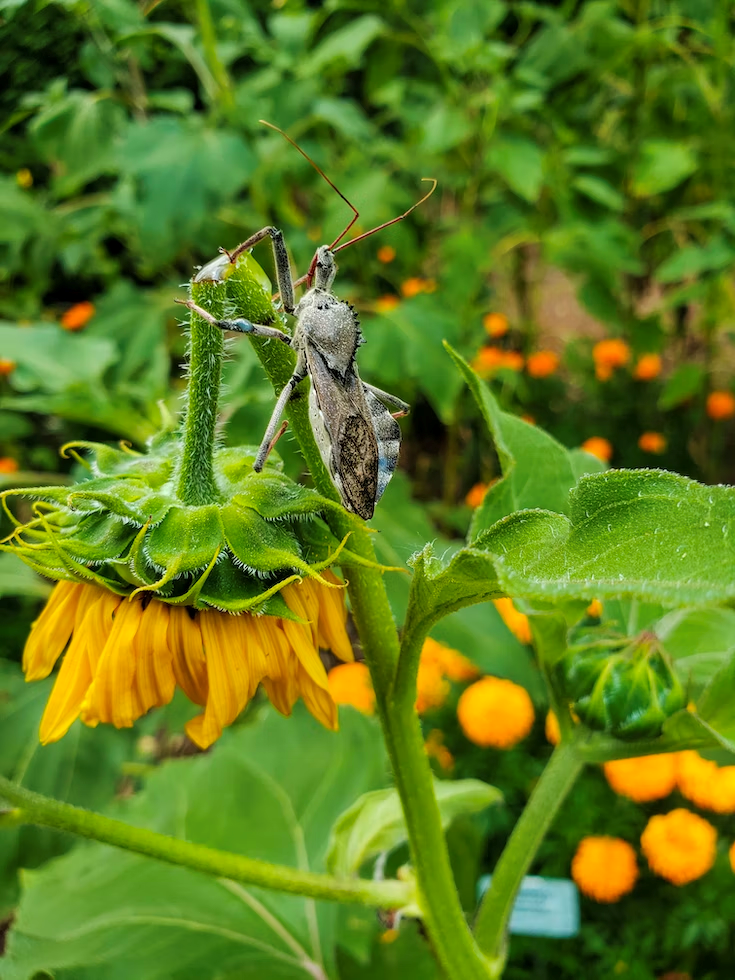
{"points": [[322, 175], [393, 221]]}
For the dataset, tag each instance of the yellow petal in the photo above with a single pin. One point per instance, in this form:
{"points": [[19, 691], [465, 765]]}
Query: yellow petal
{"points": [[278, 695], [332, 620], [299, 638], [273, 643], [112, 696], [98, 625], [51, 631], [318, 701], [154, 676], [189, 665], [297, 599]]}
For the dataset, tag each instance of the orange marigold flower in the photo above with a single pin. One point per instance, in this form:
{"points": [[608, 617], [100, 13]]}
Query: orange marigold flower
{"points": [[720, 405], [604, 868], [8, 464], [415, 285], [647, 367], [125, 656], [6, 365], [542, 363], [384, 304], [649, 777], [495, 712], [386, 253], [450, 662], [351, 684], [436, 749], [594, 609], [432, 688], [731, 855], [78, 316], [704, 783], [24, 178], [551, 728], [652, 442], [611, 352], [517, 622], [512, 360], [476, 494], [679, 846], [598, 446], [496, 324]]}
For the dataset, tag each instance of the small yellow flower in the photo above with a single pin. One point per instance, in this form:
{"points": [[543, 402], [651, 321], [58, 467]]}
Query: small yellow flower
{"points": [[608, 355], [652, 442], [647, 367], [542, 363], [649, 777], [604, 868], [597, 446], [495, 712], [679, 846], [386, 254], [384, 304], [436, 749], [78, 316], [125, 656], [496, 324], [6, 366], [24, 178], [551, 728], [8, 464], [517, 622], [351, 684], [720, 405]]}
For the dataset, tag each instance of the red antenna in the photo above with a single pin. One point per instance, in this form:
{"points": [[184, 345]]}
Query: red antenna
{"points": [[335, 246]]}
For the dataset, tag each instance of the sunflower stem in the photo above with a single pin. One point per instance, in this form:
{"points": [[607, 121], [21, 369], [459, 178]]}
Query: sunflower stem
{"points": [[556, 781], [196, 484], [439, 901], [32, 808]]}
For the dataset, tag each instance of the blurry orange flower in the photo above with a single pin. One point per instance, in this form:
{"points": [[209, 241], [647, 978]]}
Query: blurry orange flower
{"points": [[450, 662], [648, 367], [594, 609], [704, 783], [489, 359], [495, 712], [6, 365], [731, 855], [496, 324], [512, 360], [551, 728], [386, 253], [542, 363], [384, 304], [24, 178], [608, 355], [352, 686], [652, 442], [517, 622], [432, 688], [476, 494], [598, 446], [649, 777], [720, 405], [436, 749], [8, 464], [604, 868], [414, 286], [679, 846], [78, 316]]}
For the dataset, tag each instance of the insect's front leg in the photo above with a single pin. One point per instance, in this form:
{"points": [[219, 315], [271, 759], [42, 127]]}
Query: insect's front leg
{"points": [[280, 259], [385, 396], [239, 324], [266, 445]]}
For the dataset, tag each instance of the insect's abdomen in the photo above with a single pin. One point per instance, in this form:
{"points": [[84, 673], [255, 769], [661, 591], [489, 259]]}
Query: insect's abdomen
{"points": [[388, 435]]}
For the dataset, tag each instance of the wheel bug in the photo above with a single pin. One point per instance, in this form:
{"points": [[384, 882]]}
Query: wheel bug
{"points": [[358, 437]]}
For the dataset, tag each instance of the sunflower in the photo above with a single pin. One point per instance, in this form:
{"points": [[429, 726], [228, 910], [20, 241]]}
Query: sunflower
{"points": [[126, 655]]}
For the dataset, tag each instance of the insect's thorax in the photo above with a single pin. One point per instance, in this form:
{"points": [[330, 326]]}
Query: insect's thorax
{"points": [[331, 326]]}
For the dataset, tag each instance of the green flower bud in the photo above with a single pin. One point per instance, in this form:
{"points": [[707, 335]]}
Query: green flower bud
{"points": [[626, 688]]}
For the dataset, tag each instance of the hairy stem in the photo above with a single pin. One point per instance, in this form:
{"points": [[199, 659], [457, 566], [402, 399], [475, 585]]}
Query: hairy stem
{"points": [[556, 780], [32, 808]]}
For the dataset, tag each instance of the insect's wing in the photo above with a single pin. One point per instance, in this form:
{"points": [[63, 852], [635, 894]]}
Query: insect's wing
{"points": [[388, 435], [345, 432]]}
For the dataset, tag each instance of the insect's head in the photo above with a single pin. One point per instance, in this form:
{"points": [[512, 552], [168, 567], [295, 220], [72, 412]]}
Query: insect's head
{"points": [[323, 268]]}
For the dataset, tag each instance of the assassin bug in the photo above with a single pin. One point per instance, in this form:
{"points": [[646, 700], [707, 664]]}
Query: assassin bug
{"points": [[358, 437]]}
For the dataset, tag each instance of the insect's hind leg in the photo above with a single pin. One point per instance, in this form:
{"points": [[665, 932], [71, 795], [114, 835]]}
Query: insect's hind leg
{"points": [[385, 396], [267, 442], [280, 258]]}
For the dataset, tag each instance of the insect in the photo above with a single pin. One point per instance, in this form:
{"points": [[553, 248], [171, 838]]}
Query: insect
{"points": [[357, 435]]}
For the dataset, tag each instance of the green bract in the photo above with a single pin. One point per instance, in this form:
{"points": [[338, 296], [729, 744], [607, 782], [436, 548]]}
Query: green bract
{"points": [[126, 530], [626, 688]]}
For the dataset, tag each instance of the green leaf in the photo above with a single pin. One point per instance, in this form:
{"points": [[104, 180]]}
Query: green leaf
{"points": [[520, 162], [375, 822], [51, 359], [345, 46], [693, 260], [271, 790], [686, 382], [600, 191], [537, 470], [701, 641], [17, 579], [642, 533], [662, 165], [716, 706]]}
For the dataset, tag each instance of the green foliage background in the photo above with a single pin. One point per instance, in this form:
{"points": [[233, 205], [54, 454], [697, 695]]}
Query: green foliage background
{"points": [[592, 141]]}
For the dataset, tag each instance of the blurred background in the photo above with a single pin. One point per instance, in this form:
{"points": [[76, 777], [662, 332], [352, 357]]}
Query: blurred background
{"points": [[579, 250]]}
